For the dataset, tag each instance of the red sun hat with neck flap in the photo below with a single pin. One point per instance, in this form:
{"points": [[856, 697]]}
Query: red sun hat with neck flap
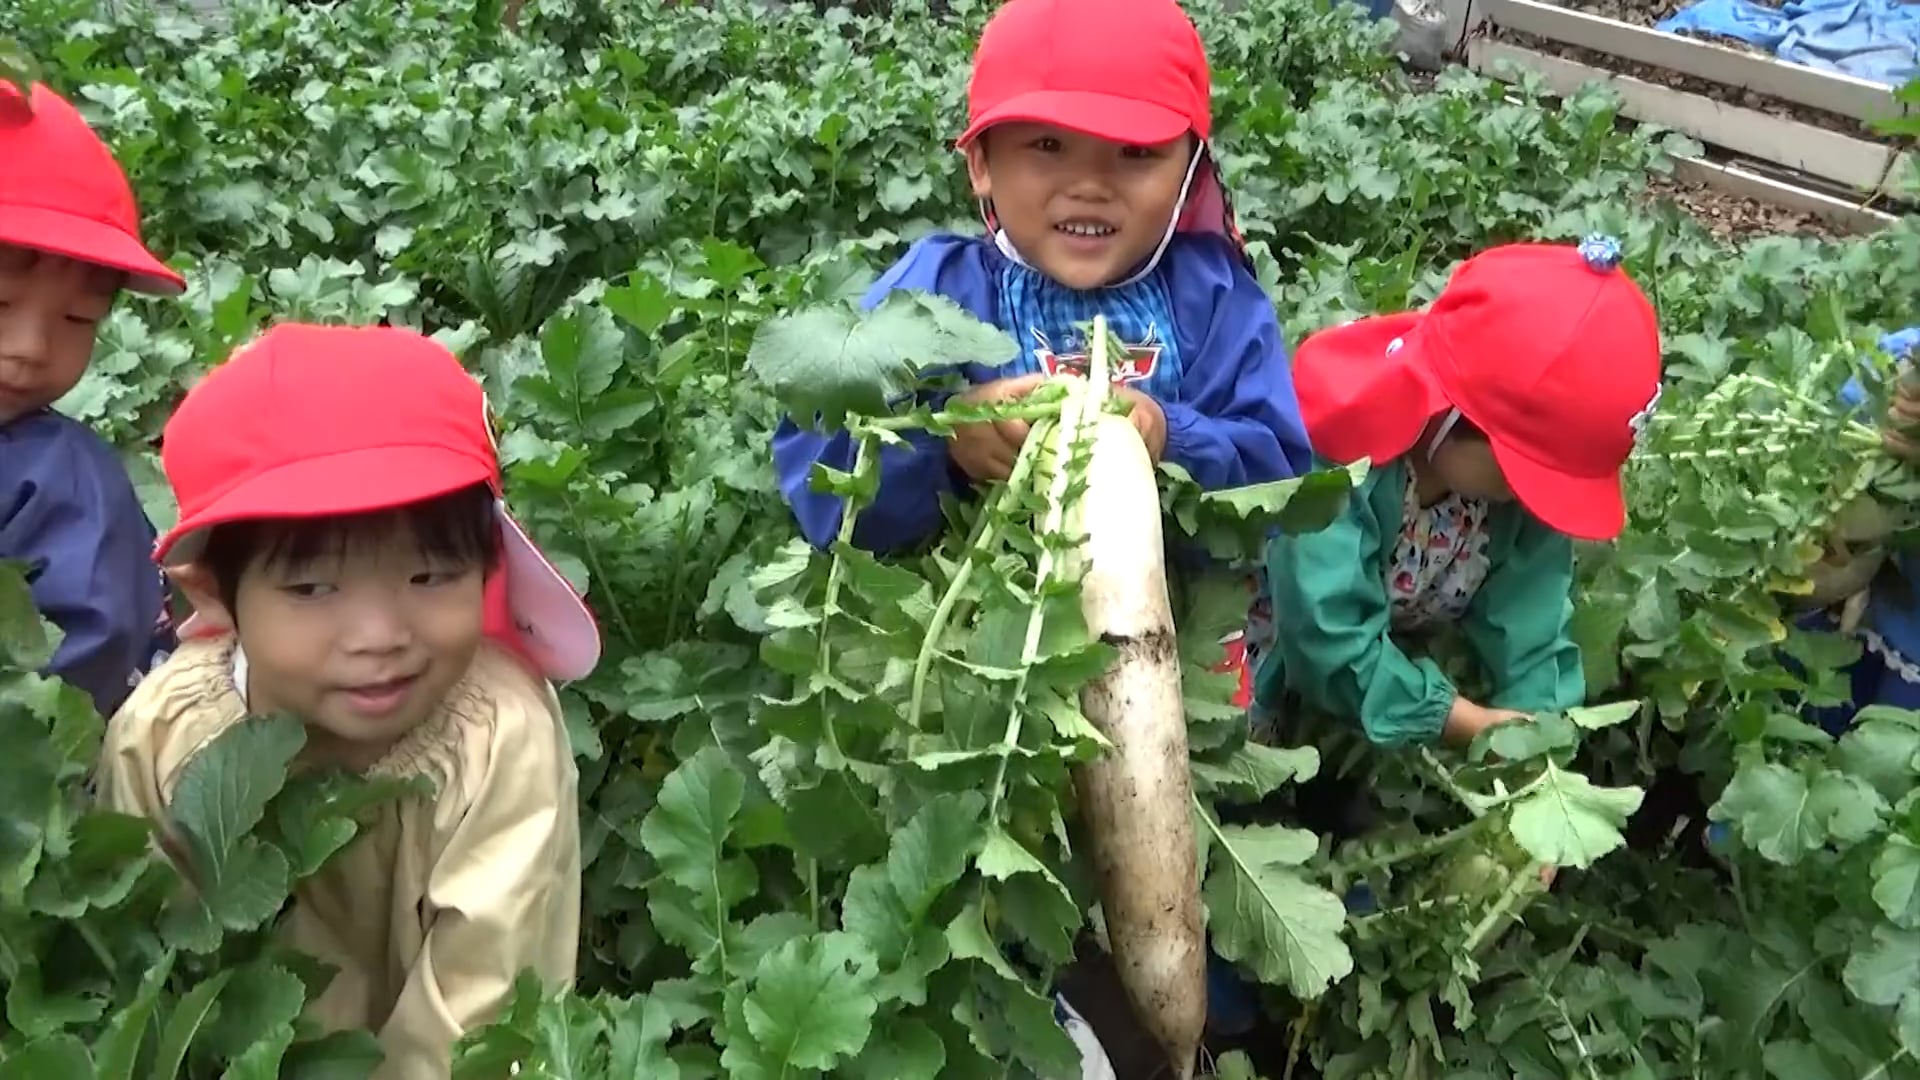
{"points": [[1129, 71], [62, 192], [316, 421], [1551, 350]]}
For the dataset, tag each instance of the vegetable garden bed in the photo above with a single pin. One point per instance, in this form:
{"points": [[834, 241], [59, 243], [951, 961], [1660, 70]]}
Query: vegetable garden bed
{"points": [[1811, 129], [641, 223]]}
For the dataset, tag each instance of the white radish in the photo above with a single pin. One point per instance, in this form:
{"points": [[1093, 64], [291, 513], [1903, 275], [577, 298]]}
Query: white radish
{"points": [[1137, 799]]}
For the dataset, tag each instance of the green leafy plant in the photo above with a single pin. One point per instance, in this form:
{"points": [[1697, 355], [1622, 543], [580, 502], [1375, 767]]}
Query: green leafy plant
{"points": [[115, 965], [609, 212]]}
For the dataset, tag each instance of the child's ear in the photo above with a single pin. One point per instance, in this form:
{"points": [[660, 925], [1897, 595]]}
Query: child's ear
{"points": [[977, 168], [210, 614]]}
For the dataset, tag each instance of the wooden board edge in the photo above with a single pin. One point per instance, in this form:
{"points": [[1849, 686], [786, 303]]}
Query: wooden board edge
{"points": [[1841, 214], [1844, 159], [1842, 95]]}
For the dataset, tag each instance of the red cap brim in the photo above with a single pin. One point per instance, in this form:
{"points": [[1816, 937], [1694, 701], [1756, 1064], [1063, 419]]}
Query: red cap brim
{"points": [[89, 241], [1362, 397], [358, 482], [1583, 507], [554, 626], [1104, 116]]}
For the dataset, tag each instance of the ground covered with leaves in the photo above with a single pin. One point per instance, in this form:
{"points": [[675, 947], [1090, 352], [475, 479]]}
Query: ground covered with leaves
{"points": [[809, 848]]}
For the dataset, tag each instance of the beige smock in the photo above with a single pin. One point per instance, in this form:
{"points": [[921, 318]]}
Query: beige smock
{"points": [[439, 903]]}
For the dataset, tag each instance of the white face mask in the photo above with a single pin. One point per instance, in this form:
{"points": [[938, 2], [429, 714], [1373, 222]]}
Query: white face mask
{"points": [[1006, 248]]}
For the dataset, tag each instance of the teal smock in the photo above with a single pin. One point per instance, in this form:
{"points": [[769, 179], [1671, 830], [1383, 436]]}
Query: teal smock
{"points": [[1333, 650]]}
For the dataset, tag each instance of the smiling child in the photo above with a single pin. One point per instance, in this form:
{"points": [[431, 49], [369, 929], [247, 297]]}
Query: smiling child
{"points": [[69, 244], [1087, 148], [351, 563]]}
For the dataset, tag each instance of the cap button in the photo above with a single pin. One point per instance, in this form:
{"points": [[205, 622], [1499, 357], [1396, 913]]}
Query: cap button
{"points": [[1601, 252]]}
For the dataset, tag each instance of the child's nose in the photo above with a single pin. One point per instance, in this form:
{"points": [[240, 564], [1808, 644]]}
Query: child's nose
{"points": [[375, 625]]}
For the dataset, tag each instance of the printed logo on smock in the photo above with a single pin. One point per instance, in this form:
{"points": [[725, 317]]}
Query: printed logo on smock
{"points": [[1135, 364], [1640, 421]]}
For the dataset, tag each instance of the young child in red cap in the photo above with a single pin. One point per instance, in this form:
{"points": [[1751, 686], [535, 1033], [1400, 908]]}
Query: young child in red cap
{"points": [[69, 243], [1497, 422], [341, 550], [1087, 148]]}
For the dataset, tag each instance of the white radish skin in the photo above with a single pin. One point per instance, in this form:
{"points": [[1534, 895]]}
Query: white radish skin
{"points": [[1137, 798]]}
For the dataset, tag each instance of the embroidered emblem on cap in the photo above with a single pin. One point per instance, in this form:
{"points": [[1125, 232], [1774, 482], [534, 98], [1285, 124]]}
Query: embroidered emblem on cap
{"points": [[1394, 345], [1643, 419], [1601, 252]]}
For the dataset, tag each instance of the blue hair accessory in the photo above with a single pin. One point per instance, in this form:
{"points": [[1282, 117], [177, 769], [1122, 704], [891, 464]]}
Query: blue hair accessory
{"points": [[1602, 252]]}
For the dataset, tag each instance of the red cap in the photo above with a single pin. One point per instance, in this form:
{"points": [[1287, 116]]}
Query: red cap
{"points": [[62, 192], [313, 421], [1131, 71], [1549, 349]]}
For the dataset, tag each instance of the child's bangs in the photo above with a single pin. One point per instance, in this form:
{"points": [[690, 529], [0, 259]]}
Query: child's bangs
{"points": [[458, 529]]}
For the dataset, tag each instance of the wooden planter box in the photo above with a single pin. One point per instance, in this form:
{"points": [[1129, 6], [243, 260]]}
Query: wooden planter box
{"points": [[1861, 168]]}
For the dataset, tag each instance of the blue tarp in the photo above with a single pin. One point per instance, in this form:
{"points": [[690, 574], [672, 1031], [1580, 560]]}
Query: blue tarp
{"points": [[1867, 39]]}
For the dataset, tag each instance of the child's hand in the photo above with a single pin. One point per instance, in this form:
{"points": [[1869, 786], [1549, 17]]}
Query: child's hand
{"points": [[1150, 419], [1465, 721], [1903, 416], [985, 451]]}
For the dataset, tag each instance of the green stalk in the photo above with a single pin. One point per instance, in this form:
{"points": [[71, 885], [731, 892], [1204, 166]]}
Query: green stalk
{"points": [[1520, 883], [1065, 436], [1013, 410], [988, 532], [1432, 845], [1077, 413]]}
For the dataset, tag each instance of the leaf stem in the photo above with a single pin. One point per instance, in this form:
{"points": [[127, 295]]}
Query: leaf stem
{"points": [[985, 536], [915, 421], [1518, 885], [1429, 846], [1065, 437]]}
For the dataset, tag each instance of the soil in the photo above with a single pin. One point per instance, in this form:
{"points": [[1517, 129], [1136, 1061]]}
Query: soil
{"points": [[1730, 95], [1734, 218], [1638, 12]]}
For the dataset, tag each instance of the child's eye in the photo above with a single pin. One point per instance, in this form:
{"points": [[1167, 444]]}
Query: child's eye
{"points": [[430, 578], [1047, 144], [85, 321], [1139, 152], [306, 590]]}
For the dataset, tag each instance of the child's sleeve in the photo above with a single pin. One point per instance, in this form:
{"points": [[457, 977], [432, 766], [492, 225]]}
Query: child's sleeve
{"points": [[1331, 622], [1518, 623], [502, 895], [72, 515], [912, 477], [1238, 421]]}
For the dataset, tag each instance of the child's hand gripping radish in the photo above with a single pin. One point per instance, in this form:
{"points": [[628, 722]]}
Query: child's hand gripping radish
{"points": [[1902, 435]]}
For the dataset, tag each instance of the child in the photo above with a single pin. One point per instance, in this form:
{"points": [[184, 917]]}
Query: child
{"points": [[1497, 424], [69, 242], [1888, 671], [1087, 148], [351, 562]]}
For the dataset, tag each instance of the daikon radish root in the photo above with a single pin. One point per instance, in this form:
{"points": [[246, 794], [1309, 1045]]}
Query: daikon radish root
{"points": [[1137, 799]]}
